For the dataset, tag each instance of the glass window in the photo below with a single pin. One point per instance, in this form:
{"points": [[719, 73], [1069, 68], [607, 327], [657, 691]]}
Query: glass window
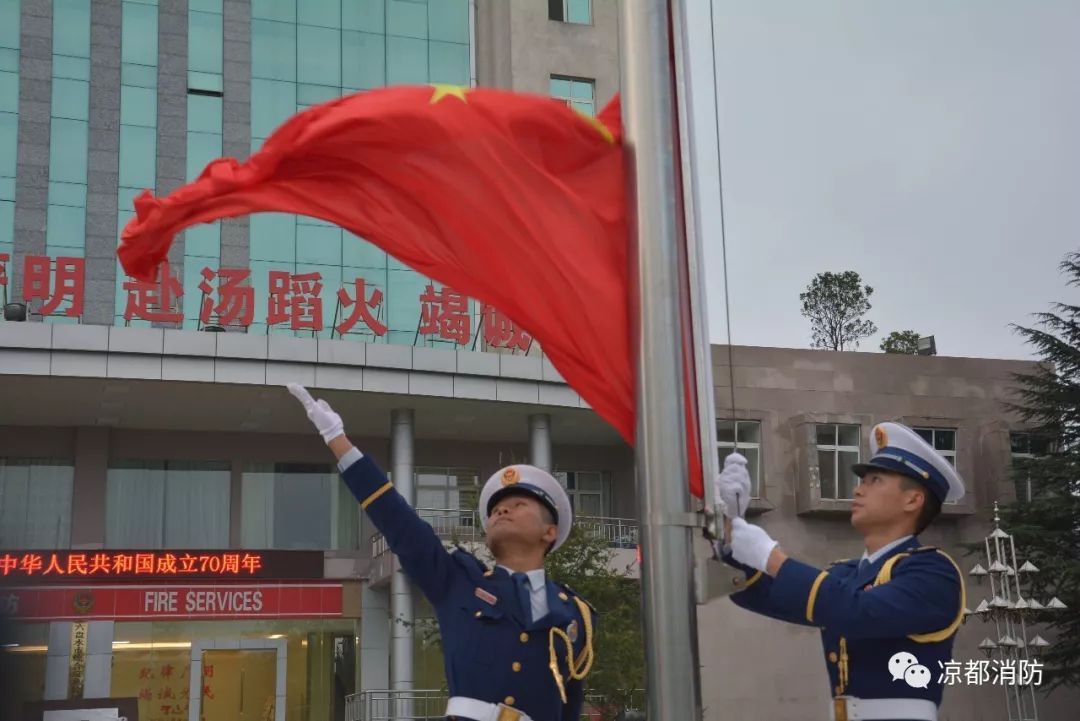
{"points": [[139, 34], [589, 492], [319, 55], [318, 245], [272, 103], [1025, 448], [407, 18], [138, 162], [748, 434], [578, 93], [70, 99], [297, 506], [205, 42], [35, 502], [838, 451], [448, 20], [363, 60], [314, 94], [365, 15], [358, 253], [138, 106], [71, 68], [206, 6], [204, 114], [141, 76], [67, 152], [281, 10], [9, 139], [71, 28], [273, 50], [204, 242], [167, 504], [449, 63], [273, 238], [9, 25], [579, 11], [202, 148], [326, 13], [9, 92], [66, 226], [943, 440], [403, 303], [406, 61]]}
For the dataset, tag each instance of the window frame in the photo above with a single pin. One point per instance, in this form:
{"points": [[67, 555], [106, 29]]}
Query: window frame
{"points": [[562, 9], [569, 100], [756, 483], [1028, 454], [836, 449], [575, 493]]}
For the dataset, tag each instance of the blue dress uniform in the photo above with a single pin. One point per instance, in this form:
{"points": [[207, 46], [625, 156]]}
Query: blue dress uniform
{"points": [[909, 600], [493, 651]]}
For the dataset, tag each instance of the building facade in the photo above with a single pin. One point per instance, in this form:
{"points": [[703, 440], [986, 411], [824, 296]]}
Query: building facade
{"points": [[169, 523]]}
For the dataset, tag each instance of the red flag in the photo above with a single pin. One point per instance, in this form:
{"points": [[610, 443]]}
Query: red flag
{"points": [[514, 200]]}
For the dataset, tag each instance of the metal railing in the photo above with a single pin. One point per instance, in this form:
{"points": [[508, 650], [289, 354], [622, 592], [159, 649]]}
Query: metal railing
{"points": [[430, 705], [463, 526]]}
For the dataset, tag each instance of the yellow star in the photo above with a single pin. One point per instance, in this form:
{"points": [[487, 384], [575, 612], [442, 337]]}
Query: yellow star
{"points": [[600, 127], [443, 90]]}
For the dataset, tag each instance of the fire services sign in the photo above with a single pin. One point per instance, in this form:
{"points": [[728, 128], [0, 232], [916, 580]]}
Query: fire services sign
{"points": [[149, 603]]}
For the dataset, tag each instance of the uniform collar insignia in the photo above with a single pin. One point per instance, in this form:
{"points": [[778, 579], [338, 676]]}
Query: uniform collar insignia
{"points": [[486, 596]]}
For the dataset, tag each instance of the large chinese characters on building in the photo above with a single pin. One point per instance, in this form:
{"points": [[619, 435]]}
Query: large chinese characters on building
{"points": [[295, 300]]}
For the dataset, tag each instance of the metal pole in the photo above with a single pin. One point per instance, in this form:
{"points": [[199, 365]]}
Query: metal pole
{"points": [[401, 602], [670, 614], [540, 440]]}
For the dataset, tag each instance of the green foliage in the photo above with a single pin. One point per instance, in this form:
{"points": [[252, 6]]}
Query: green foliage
{"points": [[1046, 527], [835, 303], [904, 342]]}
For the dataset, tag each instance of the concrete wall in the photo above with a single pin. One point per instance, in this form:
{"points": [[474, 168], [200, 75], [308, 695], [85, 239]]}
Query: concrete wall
{"points": [[519, 47]]}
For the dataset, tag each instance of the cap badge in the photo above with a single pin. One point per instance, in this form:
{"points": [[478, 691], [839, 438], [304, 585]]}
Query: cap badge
{"points": [[881, 437], [510, 476]]}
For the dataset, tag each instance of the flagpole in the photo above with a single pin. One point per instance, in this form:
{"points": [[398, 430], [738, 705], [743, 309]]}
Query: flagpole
{"points": [[649, 120]]}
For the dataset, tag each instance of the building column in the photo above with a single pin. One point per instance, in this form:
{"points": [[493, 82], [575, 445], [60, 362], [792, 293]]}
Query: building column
{"points": [[374, 639], [98, 679], [540, 440], [58, 661], [401, 602]]}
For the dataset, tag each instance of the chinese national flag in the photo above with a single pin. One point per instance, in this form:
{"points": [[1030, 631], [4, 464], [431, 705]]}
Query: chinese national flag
{"points": [[514, 200]]}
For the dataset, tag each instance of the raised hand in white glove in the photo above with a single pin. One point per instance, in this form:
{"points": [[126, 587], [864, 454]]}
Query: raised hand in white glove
{"points": [[732, 485], [750, 544], [322, 416]]}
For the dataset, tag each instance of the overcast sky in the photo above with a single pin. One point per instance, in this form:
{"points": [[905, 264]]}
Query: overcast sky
{"points": [[933, 147]]}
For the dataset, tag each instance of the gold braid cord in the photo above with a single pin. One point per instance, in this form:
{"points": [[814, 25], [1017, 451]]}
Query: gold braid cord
{"points": [[578, 669]]}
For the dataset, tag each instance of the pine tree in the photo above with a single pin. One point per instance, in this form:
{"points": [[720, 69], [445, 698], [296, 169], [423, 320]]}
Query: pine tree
{"points": [[1046, 520]]}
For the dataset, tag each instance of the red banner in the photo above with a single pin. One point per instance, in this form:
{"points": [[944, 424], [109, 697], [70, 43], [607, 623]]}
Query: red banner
{"points": [[148, 603]]}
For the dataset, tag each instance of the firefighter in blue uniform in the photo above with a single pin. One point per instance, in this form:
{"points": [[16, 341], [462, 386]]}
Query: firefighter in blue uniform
{"points": [[516, 646], [886, 619]]}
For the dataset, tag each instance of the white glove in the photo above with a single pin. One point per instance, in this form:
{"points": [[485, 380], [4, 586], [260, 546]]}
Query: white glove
{"points": [[322, 416], [732, 485], [750, 544]]}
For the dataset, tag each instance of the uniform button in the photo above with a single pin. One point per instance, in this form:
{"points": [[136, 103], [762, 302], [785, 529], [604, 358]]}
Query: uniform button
{"points": [[832, 656], [563, 597], [516, 665], [488, 574], [509, 700], [836, 691], [479, 614], [524, 637]]}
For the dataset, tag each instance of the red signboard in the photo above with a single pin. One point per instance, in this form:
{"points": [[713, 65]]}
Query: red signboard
{"points": [[153, 602], [228, 298], [108, 566]]}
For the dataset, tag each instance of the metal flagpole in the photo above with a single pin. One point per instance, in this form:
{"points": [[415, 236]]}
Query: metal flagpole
{"points": [[666, 521]]}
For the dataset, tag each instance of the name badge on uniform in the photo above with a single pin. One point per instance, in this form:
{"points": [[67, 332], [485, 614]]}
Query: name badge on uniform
{"points": [[485, 596], [571, 631]]}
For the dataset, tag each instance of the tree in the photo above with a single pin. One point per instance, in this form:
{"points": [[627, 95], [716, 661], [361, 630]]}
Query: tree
{"points": [[585, 563], [1047, 526], [835, 304], [905, 342]]}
